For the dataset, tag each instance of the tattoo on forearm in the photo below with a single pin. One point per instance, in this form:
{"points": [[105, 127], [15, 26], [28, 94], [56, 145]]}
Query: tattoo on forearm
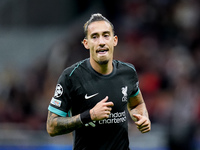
{"points": [[50, 119], [68, 124], [62, 125]]}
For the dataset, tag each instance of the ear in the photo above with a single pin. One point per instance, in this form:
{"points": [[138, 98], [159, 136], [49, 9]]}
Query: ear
{"points": [[85, 43], [115, 40]]}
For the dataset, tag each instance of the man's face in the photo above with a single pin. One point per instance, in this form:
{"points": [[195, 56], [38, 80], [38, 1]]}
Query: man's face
{"points": [[100, 41]]}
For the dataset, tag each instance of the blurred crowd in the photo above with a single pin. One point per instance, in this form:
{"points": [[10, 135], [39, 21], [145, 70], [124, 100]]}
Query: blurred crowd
{"points": [[160, 38]]}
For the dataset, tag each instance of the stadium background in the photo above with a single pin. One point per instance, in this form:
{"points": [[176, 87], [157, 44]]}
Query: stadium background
{"points": [[38, 39]]}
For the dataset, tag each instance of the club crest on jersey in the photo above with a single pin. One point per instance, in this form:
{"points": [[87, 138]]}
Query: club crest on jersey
{"points": [[58, 91], [124, 92]]}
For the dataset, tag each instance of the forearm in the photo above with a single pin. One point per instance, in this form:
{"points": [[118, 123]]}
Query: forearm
{"points": [[140, 116], [136, 105], [139, 109], [61, 125], [139, 113]]}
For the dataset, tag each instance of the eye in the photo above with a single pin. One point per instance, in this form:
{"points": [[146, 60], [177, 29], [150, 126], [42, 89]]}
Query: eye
{"points": [[106, 35], [94, 36]]}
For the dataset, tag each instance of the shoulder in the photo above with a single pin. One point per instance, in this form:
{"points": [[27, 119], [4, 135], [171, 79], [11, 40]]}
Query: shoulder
{"points": [[69, 71], [124, 65]]}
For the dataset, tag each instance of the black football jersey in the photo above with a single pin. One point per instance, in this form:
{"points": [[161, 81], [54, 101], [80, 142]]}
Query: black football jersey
{"points": [[80, 88]]}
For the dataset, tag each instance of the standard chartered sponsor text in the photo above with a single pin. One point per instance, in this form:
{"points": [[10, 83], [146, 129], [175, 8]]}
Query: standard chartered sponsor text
{"points": [[117, 117]]}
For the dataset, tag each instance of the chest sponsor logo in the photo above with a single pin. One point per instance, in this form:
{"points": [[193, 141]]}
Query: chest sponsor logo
{"points": [[90, 96], [124, 92], [115, 118]]}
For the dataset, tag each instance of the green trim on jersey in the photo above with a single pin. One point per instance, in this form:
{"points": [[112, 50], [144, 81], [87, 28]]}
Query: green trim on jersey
{"points": [[127, 64], [135, 93], [57, 111], [76, 67]]}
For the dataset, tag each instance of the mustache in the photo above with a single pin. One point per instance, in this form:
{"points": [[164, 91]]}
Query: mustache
{"points": [[102, 49]]}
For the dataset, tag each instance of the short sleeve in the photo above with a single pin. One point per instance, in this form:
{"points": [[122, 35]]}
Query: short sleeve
{"points": [[60, 102], [135, 82]]}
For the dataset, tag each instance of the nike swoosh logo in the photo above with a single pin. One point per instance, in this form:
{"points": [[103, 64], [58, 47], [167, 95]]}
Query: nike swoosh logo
{"points": [[88, 97]]}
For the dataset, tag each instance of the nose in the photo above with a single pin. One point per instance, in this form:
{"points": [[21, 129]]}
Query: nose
{"points": [[101, 41]]}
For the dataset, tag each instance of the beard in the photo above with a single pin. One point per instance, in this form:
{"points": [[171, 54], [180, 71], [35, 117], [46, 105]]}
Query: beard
{"points": [[103, 62]]}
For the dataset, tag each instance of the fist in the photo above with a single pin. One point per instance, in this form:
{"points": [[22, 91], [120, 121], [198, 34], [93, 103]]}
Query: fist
{"points": [[143, 123], [101, 110]]}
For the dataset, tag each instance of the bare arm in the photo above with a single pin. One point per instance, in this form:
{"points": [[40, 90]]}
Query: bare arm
{"points": [[57, 125], [136, 105], [139, 113]]}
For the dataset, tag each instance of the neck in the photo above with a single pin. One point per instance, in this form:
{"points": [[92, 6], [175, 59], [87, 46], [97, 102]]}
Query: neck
{"points": [[104, 69]]}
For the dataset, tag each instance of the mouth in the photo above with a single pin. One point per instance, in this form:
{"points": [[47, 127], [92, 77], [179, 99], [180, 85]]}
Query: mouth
{"points": [[102, 51]]}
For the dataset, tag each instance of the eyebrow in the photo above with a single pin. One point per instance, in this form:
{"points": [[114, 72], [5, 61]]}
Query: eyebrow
{"points": [[105, 32]]}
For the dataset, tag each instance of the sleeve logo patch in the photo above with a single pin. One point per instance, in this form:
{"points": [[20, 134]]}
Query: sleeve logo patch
{"points": [[56, 102], [58, 91]]}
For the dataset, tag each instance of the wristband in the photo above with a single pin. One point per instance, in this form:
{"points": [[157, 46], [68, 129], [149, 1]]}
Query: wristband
{"points": [[85, 117]]}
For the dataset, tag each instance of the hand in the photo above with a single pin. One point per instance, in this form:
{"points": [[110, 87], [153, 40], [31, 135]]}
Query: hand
{"points": [[101, 110], [143, 123]]}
